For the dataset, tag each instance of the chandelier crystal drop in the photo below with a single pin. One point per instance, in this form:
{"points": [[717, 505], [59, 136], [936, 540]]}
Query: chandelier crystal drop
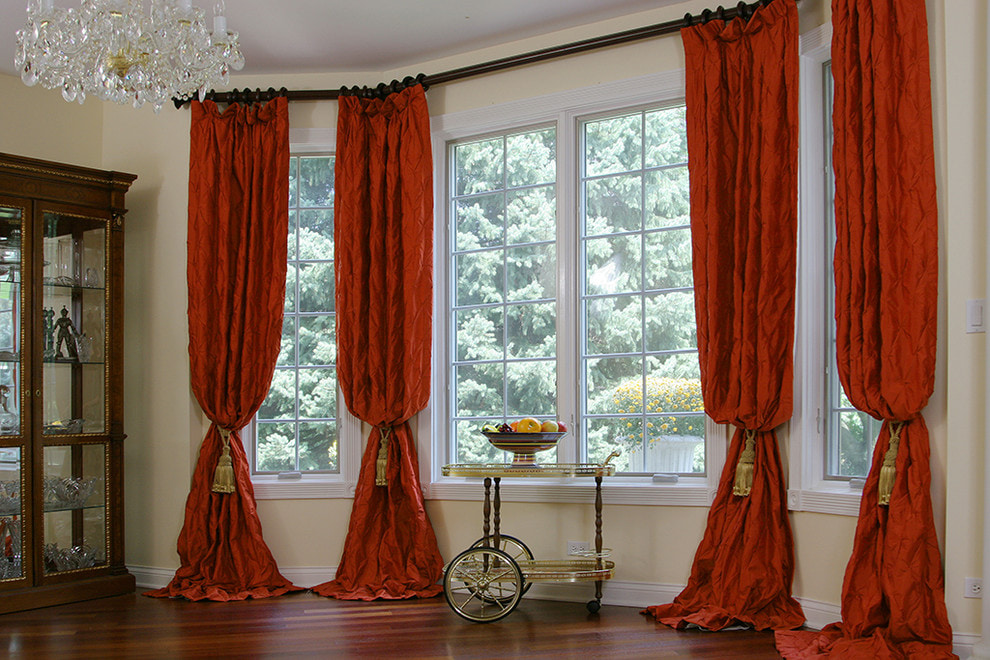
{"points": [[113, 50]]}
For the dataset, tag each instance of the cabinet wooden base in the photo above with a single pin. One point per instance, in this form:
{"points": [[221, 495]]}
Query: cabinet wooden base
{"points": [[68, 592]]}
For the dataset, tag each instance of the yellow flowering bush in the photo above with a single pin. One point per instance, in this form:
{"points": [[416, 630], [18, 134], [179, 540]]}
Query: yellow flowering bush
{"points": [[665, 397]]}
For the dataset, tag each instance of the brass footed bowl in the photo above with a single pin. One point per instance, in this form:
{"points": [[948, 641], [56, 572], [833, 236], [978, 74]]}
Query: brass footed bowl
{"points": [[524, 445]]}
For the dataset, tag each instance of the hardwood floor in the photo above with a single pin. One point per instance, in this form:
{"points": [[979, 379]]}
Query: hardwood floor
{"points": [[305, 625]]}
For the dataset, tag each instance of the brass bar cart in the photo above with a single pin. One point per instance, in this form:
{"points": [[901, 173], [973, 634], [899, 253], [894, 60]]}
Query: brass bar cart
{"points": [[486, 582]]}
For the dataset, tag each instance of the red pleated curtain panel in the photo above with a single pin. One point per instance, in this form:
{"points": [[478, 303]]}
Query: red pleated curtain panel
{"points": [[742, 129], [237, 237], [383, 256], [886, 281]]}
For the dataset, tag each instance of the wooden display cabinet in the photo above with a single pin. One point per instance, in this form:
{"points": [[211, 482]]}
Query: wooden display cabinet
{"points": [[61, 383]]}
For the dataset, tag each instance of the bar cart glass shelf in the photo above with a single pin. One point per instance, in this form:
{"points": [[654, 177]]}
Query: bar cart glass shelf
{"points": [[486, 582]]}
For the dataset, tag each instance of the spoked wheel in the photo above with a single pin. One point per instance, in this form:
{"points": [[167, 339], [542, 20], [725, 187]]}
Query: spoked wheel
{"points": [[511, 546], [483, 584]]}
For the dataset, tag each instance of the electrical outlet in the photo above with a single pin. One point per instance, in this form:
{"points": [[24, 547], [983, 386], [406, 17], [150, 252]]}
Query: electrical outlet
{"points": [[578, 547], [973, 588]]}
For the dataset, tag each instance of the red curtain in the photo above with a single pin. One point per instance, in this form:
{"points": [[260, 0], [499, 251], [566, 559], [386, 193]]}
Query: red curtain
{"points": [[238, 223], [742, 122], [383, 235], [886, 280]]}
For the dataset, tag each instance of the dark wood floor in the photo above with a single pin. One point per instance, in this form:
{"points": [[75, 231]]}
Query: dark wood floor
{"points": [[305, 625]]}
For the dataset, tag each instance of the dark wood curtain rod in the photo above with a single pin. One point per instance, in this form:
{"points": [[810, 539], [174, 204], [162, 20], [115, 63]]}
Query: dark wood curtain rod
{"points": [[742, 9]]}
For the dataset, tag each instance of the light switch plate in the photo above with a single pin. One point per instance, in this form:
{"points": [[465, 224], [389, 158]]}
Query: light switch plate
{"points": [[975, 315]]}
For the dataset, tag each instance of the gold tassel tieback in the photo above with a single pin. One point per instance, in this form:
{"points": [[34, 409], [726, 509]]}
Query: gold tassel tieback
{"points": [[888, 471], [381, 463], [744, 467], [223, 477]]}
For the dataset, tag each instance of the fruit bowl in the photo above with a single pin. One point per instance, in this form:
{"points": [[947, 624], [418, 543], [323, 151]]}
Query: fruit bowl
{"points": [[524, 445]]}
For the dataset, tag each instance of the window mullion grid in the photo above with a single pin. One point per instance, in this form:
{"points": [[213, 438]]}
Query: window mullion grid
{"points": [[505, 279], [642, 280]]}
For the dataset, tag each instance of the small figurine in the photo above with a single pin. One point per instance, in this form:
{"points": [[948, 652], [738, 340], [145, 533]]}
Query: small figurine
{"points": [[48, 315], [66, 332]]}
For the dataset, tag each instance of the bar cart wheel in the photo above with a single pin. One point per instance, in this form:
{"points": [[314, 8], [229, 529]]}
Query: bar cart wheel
{"points": [[511, 546], [594, 605], [483, 584]]}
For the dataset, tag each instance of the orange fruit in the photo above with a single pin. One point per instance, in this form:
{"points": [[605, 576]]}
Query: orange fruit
{"points": [[528, 425]]}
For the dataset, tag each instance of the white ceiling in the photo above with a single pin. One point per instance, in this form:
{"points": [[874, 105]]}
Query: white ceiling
{"points": [[281, 36]]}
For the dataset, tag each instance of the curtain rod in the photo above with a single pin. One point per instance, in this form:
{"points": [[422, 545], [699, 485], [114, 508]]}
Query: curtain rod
{"points": [[742, 9]]}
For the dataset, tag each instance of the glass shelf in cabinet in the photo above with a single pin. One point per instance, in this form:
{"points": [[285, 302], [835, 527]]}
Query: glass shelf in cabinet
{"points": [[74, 286], [56, 508], [69, 362]]}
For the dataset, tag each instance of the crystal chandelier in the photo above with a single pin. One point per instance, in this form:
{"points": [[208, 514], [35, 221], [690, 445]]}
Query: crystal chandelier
{"points": [[112, 50]]}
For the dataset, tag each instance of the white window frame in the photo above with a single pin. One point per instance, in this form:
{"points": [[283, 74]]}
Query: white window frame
{"points": [[806, 435], [323, 485], [563, 109]]}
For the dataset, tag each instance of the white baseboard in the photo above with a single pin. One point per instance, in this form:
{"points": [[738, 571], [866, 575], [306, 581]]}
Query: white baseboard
{"points": [[148, 577], [614, 592]]}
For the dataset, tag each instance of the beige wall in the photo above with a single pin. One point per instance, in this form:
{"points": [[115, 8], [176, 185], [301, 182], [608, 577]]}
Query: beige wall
{"points": [[38, 123], [961, 121], [652, 544]]}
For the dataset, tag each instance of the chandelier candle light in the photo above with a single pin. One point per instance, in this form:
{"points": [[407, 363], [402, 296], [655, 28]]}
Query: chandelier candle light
{"points": [[112, 50]]}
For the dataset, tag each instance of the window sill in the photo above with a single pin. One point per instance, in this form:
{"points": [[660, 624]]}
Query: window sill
{"points": [[614, 491], [837, 500], [305, 488]]}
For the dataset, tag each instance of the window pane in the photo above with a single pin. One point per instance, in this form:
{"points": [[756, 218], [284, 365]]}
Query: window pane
{"points": [[668, 259], [531, 215], [281, 400], [853, 448], [293, 236], [290, 289], [503, 286], [675, 444], [666, 138], [641, 372], [607, 381], [480, 334], [674, 365], [670, 321], [531, 158], [282, 442], [531, 272], [532, 330], [613, 145], [293, 182], [470, 446], [317, 393], [479, 390], [667, 198], [480, 277], [318, 446], [613, 265], [287, 353], [614, 204], [478, 166], [316, 287], [316, 234], [614, 325], [317, 340], [480, 221], [607, 434], [275, 450], [531, 388], [315, 182]]}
